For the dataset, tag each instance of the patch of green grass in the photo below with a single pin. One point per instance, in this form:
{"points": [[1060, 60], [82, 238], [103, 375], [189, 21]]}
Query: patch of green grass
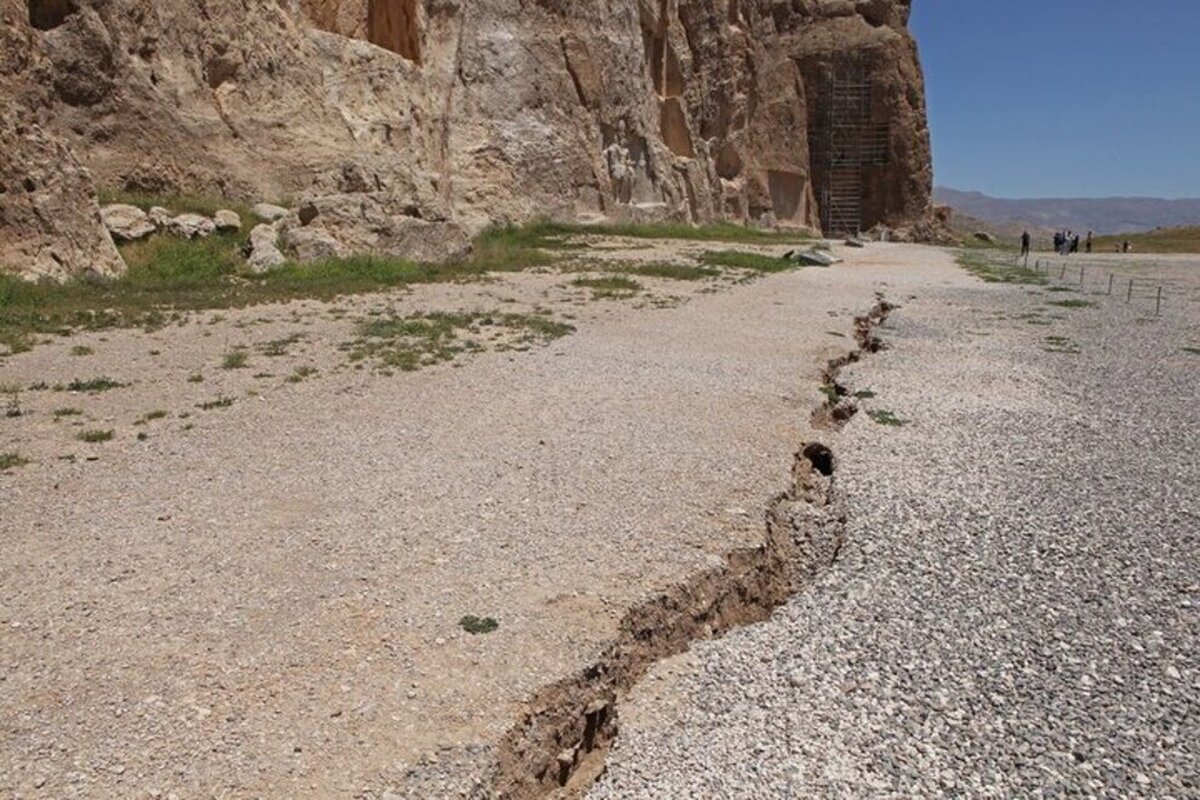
{"points": [[235, 360], [101, 384], [59, 413], [150, 416], [409, 343], [609, 286], [718, 232], [220, 402], [95, 436], [1193, 350], [832, 395], [993, 267], [1062, 289], [1163, 240], [476, 625], [1073, 303], [12, 461], [738, 259], [82, 350], [884, 417], [675, 272]]}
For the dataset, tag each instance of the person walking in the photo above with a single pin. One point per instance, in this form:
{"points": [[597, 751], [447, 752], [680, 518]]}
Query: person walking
{"points": [[1025, 241], [1088, 244]]}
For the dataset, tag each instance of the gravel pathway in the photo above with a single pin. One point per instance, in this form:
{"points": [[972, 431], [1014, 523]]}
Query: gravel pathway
{"points": [[1015, 613]]}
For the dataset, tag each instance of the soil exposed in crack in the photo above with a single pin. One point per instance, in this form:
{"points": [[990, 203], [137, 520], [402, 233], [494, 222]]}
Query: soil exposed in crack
{"points": [[558, 747], [839, 407]]}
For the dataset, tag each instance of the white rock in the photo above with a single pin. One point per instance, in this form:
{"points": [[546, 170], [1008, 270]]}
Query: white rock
{"points": [[269, 212], [264, 249], [227, 220], [126, 223], [160, 216], [192, 226], [312, 244]]}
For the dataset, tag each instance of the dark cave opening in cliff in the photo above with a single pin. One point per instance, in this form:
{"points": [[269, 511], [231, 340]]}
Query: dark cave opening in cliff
{"points": [[395, 25], [49, 14]]}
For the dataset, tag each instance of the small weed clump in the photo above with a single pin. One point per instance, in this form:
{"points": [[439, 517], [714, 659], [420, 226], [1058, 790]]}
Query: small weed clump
{"points": [[1073, 303], [475, 625], [1190, 349], [864, 394], [235, 360], [609, 286], [101, 384], [82, 350], [59, 413], [95, 436], [12, 461], [219, 402], [300, 373], [884, 417], [279, 347], [196, 378]]}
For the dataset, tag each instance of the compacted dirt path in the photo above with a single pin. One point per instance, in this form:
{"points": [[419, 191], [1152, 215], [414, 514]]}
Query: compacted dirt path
{"points": [[1015, 609], [265, 599]]}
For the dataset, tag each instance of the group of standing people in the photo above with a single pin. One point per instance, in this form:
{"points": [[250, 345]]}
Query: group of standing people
{"points": [[1067, 242]]}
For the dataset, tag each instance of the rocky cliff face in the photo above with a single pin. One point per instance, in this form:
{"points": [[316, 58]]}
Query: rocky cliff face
{"points": [[409, 124]]}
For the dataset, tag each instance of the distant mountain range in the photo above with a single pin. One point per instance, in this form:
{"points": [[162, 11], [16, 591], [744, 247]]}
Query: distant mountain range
{"points": [[1108, 215]]}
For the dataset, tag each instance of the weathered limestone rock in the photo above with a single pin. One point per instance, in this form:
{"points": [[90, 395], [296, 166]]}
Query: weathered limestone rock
{"points": [[127, 223], [192, 226], [268, 212], [442, 117], [227, 221], [264, 252]]}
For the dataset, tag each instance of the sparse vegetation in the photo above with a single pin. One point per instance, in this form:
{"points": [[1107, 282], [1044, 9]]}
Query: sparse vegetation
{"points": [[992, 266], [885, 417], [409, 343], [219, 402], [59, 413], [82, 350], [1061, 344], [101, 384], [738, 259], [1163, 240], [236, 359], [196, 378], [475, 625], [95, 436], [609, 286], [302, 372], [1073, 303], [279, 347], [864, 394], [676, 272], [1190, 349], [12, 461]]}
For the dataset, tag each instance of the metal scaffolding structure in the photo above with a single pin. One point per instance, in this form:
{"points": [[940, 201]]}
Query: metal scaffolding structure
{"points": [[848, 143]]}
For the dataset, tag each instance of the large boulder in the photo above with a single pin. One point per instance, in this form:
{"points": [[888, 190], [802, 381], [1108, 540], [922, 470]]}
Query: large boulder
{"points": [[264, 254], [227, 221], [127, 223]]}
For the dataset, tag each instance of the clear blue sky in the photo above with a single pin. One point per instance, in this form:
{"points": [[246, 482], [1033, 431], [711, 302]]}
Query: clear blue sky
{"points": [[1063, 98]]}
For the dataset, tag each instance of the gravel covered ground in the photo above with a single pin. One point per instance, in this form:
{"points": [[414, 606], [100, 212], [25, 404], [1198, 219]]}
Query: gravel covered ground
{"points": [[263, 598], [1016, 611]]}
